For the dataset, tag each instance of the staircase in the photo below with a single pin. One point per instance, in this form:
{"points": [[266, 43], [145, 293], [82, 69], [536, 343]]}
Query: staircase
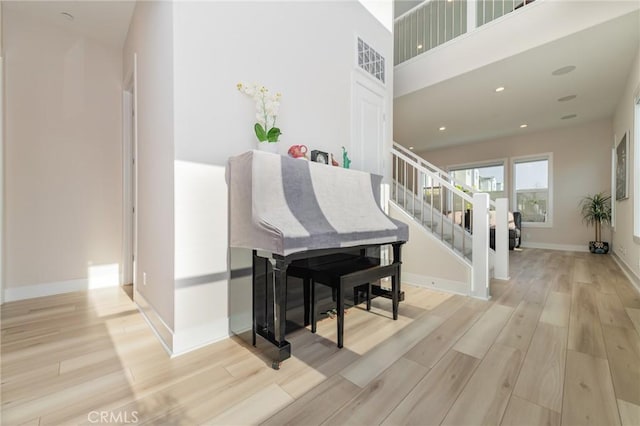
{"points": [[451, 212]]}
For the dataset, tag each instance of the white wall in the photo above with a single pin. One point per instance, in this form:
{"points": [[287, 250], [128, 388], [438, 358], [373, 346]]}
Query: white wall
{"points": [[62, 159], [306, 51], [625, 247], [150, 37], [2, 100], [581, 166]]}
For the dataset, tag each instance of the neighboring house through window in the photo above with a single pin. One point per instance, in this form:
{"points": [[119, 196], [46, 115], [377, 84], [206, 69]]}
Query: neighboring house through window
{"points": [[532, 183], [485, 177]]}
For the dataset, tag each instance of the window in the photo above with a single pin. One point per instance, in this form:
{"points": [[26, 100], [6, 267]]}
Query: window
{"points": [[485, 178], [532, 189]]}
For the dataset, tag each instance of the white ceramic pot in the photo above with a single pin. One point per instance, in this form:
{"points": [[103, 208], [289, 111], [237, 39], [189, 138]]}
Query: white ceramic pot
{"points": [[271, 147]]}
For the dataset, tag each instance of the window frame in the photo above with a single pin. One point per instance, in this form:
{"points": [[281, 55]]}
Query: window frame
{"points": [[514, 200], [485, 163]]}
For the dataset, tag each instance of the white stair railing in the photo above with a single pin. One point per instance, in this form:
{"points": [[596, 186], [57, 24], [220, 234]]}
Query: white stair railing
{"points": [[434, 22], [459, 220], [458, 217]]}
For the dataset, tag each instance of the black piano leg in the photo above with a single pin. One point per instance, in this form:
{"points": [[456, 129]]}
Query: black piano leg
{"points": [[340, 315], [306, 287], [312, 297], [395, 284]]}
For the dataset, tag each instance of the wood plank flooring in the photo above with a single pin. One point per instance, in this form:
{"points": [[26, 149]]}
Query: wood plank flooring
{"points": [[558, 344]]}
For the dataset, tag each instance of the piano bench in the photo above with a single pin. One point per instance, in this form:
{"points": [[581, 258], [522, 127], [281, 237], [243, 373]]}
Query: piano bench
{"points": [[342, 276]]}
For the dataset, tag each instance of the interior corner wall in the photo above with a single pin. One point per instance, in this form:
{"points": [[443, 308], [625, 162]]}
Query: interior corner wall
{"points": [[150, 38], [62, 159], [624, 245], [581, 166], [306, 51], [2, 203]]}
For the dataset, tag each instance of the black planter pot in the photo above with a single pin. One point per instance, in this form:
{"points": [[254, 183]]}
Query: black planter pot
{"points": [[599, 247]]}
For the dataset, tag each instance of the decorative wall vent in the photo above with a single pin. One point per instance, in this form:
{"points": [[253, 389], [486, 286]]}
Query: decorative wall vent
{"points": [[370, 60]]}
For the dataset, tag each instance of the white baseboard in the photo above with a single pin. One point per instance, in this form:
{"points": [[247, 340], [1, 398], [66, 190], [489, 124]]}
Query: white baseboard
{"points": [[561, 247], [435, 283], [626, 269], [12, 294], [162, 331]]}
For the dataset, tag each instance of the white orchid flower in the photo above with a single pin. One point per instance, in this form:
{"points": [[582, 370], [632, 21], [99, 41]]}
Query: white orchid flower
{"points": [[267, 107]]}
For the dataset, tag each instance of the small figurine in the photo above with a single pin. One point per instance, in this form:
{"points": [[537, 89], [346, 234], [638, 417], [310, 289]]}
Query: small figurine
{"points": [[334, 162], [346, 162]]}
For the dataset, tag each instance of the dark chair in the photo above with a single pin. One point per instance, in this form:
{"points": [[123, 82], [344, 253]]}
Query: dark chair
{"points": [[515, 234]]}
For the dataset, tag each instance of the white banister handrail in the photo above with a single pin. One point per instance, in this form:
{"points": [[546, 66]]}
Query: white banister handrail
{"points": [[432, 23], [435, 176], [438, 171]]}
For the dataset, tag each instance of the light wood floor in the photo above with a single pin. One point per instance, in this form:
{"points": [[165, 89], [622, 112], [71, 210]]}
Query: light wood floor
{"points": [[558, 344]]}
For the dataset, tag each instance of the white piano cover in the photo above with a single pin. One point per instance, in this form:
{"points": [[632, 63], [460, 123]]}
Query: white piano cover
{"points": [[283, 206]]}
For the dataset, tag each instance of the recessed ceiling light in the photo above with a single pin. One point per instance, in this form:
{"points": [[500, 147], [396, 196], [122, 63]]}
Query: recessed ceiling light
{"points": [[564, 70], [567, 98], [411, 148], [569, 117], [442, 128], [499, 89], [419, 46], [67, 16], [522, 126]]}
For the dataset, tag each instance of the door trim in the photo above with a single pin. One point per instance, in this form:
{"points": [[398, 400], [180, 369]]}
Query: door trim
{"points": [[360, 77], [129, 177]]}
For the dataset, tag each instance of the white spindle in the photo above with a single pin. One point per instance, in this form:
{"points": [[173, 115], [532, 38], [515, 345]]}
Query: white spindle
{"points": [[472, 11]]}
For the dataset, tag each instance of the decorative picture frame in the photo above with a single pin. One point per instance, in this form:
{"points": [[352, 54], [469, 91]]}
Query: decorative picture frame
{"points": [[320, 157], [622, 168]]}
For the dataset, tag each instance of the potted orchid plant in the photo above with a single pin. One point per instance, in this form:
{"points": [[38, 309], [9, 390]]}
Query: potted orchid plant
{"points": [[267, 106]]}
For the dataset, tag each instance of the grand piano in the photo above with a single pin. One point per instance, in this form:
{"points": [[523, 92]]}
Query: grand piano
{"points": [[286, 210]]}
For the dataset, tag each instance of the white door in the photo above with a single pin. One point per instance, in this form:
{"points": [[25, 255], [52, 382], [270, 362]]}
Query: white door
{"points": [[367, 148]]}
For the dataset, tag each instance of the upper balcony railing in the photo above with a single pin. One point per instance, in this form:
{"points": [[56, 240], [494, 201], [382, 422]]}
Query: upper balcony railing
{"points": [[434, 22]]}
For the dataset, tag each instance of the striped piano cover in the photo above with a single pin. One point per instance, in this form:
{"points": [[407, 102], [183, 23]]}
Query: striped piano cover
{"points": [[284, 206]]}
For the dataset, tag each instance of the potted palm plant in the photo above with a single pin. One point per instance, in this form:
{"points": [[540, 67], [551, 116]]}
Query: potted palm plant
{"points": [[596, 210]]}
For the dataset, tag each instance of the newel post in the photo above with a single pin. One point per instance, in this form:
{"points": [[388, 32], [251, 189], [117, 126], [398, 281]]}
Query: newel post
{"points": [[501, 264], [480, 263]]}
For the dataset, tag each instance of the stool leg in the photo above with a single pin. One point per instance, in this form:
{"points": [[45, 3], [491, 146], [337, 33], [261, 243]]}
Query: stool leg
{"points": [[312, 296], [340, 315], [368, 296]]}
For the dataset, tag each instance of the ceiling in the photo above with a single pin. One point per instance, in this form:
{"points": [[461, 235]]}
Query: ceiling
{"points": [[472, 111], [105, 21]]}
